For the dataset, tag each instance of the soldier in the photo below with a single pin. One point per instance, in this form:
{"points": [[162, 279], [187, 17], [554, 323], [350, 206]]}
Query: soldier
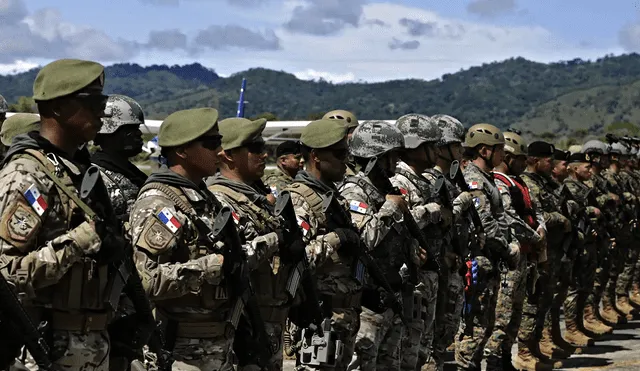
{"points": [[330, 234], [58, 248], [559, 171], [486, 144], [119, 139], [4, 107], [378, 212], [289, 162], [420, 136], [242, 165], [543, 194], [352, 123], [527, 225], [457, 238], [180, 267], [20, 123], [607, 202], [619, 279]]}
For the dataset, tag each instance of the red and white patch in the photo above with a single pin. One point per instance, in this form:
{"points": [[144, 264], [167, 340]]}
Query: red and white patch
{"points": [[474, 185], [236, 217], [404, 191], [358, 207], [303, 225]]}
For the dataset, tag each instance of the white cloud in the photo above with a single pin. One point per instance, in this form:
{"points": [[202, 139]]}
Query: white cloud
{"points": [[311, 74], [16, 67]]}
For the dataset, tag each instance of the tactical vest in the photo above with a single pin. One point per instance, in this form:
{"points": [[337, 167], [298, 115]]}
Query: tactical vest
{"points": [[338, 265], [521, 201], [78, 302], [270, 278], [192, 246]]}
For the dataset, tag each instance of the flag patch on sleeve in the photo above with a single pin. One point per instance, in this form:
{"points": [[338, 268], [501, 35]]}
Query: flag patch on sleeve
{"points": [[35, 199], [358, 207], [303, 225], [170, 221], [474, 185]]}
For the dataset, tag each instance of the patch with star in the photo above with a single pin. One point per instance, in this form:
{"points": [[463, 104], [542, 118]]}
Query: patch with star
{"points": [[157, 236], [21, 223]]}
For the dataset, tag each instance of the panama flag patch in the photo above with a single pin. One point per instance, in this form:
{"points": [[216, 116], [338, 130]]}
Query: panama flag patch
{"points": [[358, 207], [35, 199], [236, 217], [167, 218], [473, 185], [404, 191], [274, 190], [303, 225]]}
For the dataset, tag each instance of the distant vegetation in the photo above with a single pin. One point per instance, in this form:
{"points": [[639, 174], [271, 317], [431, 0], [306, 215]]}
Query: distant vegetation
{"points": [[564, 102]]}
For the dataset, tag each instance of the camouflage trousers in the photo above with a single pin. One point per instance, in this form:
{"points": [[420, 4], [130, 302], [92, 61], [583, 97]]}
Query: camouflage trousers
{"points": [[537, 284], [448, 312], [421, 330], [479, 316], [623, 284], [275, 332], [509, 307], [346, 323], [602, 270], [580, 291], [75, 351], [203, 354], [617, 257], [377, 345]]}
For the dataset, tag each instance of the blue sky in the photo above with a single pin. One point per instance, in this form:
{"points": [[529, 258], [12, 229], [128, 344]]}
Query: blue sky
{"points": [[339, 40]]}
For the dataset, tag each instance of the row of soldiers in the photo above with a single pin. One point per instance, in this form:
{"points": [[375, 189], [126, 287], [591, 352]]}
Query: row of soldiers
{"points": [[394, 242]]}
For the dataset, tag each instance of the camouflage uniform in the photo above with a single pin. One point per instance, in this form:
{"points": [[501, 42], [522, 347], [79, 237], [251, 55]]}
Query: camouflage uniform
{"points": [[479, 317], [510, 308], [52, 251], [4, 107], [277, 180], [384, 235], [419, 195], [631, 189]]}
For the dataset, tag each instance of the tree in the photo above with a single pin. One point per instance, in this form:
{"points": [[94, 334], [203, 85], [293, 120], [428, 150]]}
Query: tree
{"points": [[25, 104]]}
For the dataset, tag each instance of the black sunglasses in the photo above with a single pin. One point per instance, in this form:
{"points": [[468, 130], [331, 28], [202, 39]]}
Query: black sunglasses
{"points": [[256, 147], [96, 102], [210, 142]]}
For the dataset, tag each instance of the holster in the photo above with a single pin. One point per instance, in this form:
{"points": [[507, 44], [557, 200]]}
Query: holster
{"points": [[316, 350]]}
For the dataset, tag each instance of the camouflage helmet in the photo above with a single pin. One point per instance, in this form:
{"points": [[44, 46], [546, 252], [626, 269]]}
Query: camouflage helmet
{"points": [[4, 107], [374, 138], [633, 151], [595, 146], [418, 129], [618, 149], [339, 114], [486, 134], [515, 144], [576, 148], [121, 110], [451, 129]]}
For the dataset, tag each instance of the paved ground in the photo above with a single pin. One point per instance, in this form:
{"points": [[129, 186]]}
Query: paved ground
{"points": [[618, 351]]}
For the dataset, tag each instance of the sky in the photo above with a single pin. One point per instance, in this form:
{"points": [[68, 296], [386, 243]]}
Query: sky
{"points": [[337, 40]]}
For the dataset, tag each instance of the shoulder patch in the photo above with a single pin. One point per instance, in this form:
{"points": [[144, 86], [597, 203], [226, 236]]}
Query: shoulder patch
{"points": [[358, 207], [403, 191], [20, 223], [170, 221], [158, 236], [502, 189], [274, 190], [477, 202], [303, 225], [236, 217], [474, 185], [35, 199]]}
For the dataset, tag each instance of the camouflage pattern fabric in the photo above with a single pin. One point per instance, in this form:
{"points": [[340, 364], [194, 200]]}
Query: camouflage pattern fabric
{"points": [[122, 191], [121, 110], [203, 354], [479, 316], [378, 341], [277, 180], [630, 253]]}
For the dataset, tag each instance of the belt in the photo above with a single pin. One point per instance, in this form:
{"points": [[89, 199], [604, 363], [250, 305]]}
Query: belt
{"points": [[345, 301], [80, 322], [274, 314], [200, 330]]}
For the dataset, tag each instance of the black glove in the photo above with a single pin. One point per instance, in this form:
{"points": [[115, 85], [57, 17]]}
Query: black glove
{"points": [[290, 249], [113, 247], [349, 239]]}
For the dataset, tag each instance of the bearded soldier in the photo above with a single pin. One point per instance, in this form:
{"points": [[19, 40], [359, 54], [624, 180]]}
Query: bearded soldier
{"points": [[486, 143], [57, 248], [528, 227], [420, 136], [378, 212]]}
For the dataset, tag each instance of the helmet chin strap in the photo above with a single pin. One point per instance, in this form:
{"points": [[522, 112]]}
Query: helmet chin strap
{"points": [[489, 160]]}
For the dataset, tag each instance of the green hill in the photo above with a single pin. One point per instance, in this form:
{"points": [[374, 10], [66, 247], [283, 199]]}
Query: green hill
{"points": [[557, 97]]}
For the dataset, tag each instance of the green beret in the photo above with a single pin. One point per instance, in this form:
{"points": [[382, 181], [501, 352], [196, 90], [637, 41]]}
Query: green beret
{"points": [[184, 126], [20, 123], [65, 77], [323, 133], [237, 131]]}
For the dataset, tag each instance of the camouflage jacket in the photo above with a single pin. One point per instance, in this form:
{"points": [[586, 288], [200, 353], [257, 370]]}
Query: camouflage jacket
{"points": [[48, 241], [489, 205], [617, 186], [256, 220], [579, 206], [122, 192], [333, 271], [420, 195], [277, 180], [545, 198], [380, 224], [519, 228], [181, 271]]}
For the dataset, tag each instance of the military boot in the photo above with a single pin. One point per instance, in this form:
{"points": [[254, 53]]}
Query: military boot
{"points": [[592, 323], [526, 361], [574, 336], [608, 313], [549, 349], [634, 294], [560, 342], [622, 304]]}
